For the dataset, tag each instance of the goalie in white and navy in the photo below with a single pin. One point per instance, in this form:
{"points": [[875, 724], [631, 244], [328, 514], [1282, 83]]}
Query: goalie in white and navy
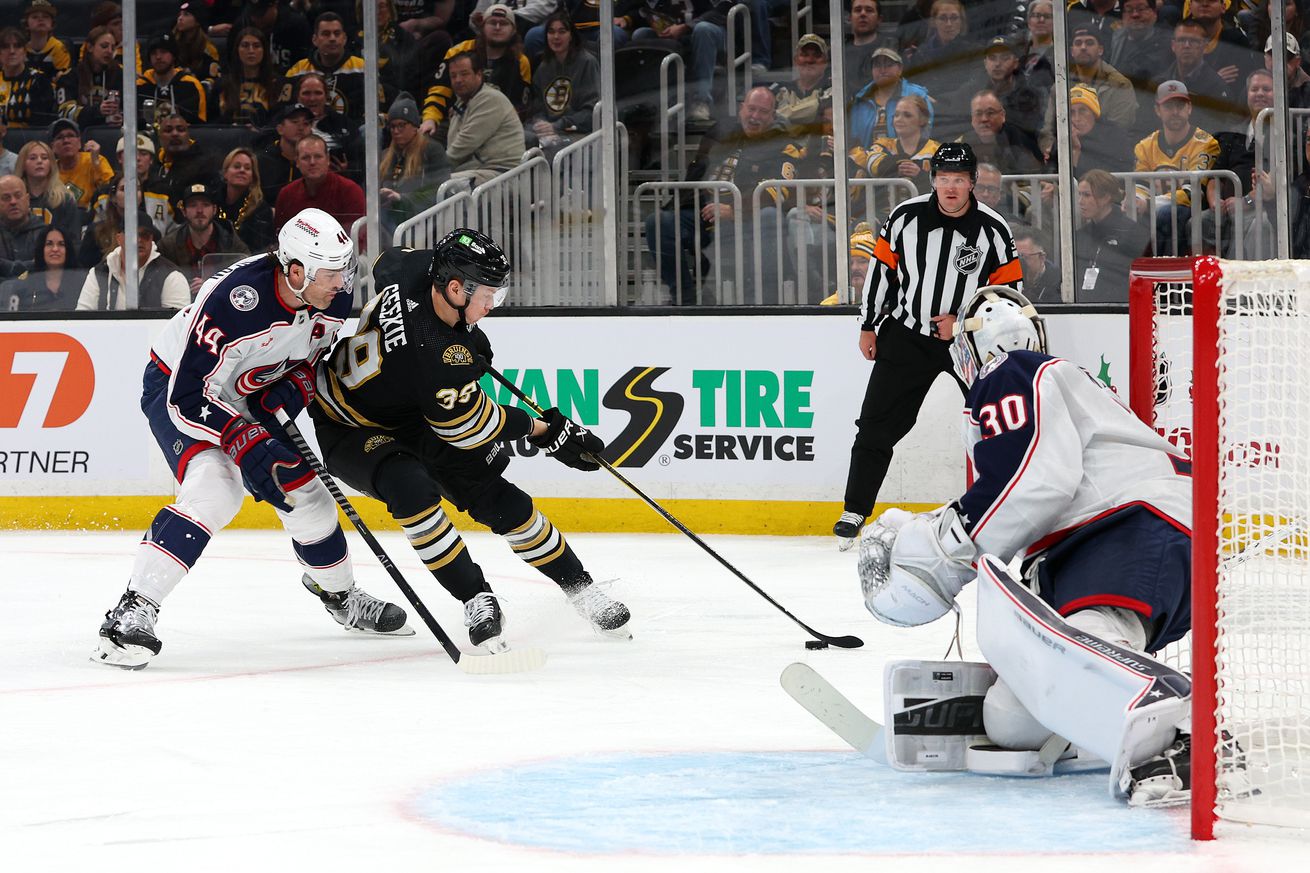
{"points": [[1098, 508], [222, 367]]}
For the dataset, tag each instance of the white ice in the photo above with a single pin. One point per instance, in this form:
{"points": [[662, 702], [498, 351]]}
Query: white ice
{"points": [[264, 737]]}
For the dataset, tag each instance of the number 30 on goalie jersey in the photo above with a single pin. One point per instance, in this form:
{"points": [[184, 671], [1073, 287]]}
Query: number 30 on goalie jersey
{"points": [[1052, 449]]}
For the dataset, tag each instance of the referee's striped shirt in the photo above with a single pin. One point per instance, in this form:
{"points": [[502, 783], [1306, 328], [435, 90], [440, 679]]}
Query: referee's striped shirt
{"points": [[926, 263]]}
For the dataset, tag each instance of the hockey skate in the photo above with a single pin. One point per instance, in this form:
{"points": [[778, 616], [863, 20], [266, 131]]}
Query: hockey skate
{"points": [[847, 530], [606, 615], [127, 636], [485, 621], [357, 610], [1166, 779]]}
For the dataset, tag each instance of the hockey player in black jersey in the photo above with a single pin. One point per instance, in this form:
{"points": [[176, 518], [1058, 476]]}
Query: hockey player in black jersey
{"points": [[400, 416]]}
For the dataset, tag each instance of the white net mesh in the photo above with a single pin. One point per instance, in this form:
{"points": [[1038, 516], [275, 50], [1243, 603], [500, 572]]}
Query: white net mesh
{"points": [[1263, 639], [1263, 565]]}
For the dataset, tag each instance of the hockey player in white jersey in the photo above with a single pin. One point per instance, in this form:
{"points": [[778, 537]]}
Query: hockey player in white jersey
{"points": [[223, 366], [1098, 508]]}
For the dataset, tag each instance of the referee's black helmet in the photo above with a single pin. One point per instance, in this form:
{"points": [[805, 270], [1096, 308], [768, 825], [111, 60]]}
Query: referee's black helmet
{"points": [[955, 156]]}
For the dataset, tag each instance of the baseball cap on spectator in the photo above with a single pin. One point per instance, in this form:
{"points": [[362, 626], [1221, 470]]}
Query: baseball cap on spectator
{"points": [[198, 10], [146, 224], [813, 39], [292, 109], [1081, 95], [61, 124], [1002, 44], [1293, 47], [1171, 90], [197, 189], [500, 9], [143, 143], [40, 6], [162, 41], [404, 108], [889, 53], [1086, 31]]}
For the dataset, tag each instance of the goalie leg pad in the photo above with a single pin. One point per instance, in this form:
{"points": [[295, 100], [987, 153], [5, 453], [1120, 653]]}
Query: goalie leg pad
{"points": [[933, 712], [1119, 704]]}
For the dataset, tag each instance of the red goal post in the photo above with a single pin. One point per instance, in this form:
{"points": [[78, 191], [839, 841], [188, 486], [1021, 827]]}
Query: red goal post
{"points": [[1219, 363]]}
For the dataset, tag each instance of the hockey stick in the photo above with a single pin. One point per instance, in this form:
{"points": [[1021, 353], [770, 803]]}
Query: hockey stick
{"points": [[513, 661], [847, 642]]}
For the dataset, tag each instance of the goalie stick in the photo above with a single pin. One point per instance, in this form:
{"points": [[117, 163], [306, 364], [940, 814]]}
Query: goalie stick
{"points": [[513, 661], [846, 642]]}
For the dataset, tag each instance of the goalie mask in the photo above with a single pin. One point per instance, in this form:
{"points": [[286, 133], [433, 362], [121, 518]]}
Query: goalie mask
{"points": [[996, 320]]}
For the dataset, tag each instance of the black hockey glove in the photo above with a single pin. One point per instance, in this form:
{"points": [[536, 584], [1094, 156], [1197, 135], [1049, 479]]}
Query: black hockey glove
{"points": [[293, 392], [267, 466], [568, 442]]}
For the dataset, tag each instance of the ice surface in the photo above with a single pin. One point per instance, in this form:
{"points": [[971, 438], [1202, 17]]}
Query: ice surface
{"points": [[264, 737]]}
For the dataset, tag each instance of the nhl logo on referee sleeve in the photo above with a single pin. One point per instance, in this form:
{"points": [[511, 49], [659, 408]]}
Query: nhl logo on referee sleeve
{"points": [[244, 298], [968, 258]]}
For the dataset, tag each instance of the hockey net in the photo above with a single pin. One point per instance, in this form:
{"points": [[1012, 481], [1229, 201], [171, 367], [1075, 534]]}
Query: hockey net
{"points": [[1220, 351]]}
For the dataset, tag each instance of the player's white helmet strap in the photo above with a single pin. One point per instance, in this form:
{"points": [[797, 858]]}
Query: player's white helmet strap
{"points": [[995, 320]]}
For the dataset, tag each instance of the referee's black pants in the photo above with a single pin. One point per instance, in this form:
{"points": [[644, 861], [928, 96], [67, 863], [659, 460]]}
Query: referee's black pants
{"points": [[907, 364]]}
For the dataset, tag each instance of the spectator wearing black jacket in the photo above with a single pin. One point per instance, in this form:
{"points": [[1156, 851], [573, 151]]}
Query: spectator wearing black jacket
{"points": [[750, 152], [1106, 243]]}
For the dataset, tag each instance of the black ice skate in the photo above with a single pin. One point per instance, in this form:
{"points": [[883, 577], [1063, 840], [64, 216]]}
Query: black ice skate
{"points": [[357, 610], [483, 618], [127, 636], [1166, 779], [606, 615], [847, 529]]}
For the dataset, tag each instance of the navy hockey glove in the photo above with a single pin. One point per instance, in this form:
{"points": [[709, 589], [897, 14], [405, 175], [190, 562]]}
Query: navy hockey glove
{"points": [[293, 392], [568, 442], [265, 463]]}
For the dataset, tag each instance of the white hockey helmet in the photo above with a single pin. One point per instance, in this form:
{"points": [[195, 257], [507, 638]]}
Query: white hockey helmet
{"points": [[995, 320], [316, 241]]}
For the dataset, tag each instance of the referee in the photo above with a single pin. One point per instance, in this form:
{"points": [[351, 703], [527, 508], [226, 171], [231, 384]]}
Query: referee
{"points": [[934, 251]]}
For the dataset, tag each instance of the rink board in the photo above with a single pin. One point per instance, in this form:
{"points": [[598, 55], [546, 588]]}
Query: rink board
{"points": [[739, 423]]}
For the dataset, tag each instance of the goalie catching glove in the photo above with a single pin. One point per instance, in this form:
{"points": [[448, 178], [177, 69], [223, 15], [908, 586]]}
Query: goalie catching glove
{"points": [[268, 468], [913, 566], [568, 442]]}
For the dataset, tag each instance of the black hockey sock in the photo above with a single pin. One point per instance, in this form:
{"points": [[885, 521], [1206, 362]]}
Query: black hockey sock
{"points": [[443, 552]]}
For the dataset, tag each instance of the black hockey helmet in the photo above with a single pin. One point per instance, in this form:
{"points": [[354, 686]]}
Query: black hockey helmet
{"points": [[471, 256], [955, 156]]}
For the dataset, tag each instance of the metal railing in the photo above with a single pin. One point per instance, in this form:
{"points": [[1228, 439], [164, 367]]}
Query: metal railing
{"points": [[672, 112], [1167, 188], [802, 247], [738, 60], [546, 214]]}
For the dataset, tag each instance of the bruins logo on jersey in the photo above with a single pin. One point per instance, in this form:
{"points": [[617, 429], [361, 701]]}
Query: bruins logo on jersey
{"points": [[456, 356], [374, 442], [558, 94]]}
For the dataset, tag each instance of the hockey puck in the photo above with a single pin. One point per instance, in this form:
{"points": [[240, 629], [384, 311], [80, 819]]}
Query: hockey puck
{"points": [[815, 644]]}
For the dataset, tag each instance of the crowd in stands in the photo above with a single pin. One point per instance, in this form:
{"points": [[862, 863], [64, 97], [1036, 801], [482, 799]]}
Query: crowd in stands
{"points": [[250, 110], [1155, 85], [466, 86]]}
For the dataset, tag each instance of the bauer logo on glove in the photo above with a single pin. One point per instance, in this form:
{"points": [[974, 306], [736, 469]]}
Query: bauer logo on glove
{"points": [[568, 442]]}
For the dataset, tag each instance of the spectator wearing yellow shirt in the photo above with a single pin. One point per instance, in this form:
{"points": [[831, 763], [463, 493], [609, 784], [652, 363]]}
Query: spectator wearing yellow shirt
{"points": [[82, 168], [45, 51]]}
